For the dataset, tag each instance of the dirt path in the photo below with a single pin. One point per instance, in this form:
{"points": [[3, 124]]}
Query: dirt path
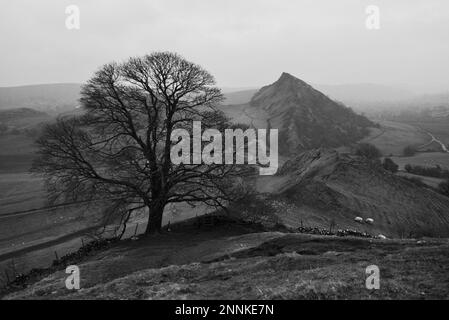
{"points": [[377, 135], [433, 139]]}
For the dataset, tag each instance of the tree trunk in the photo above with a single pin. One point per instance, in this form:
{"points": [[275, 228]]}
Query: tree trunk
{"points": [[155, 218]]}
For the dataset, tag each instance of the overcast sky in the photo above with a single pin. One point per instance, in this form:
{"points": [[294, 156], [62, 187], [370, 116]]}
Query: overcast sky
{"points": [[242, 43]]}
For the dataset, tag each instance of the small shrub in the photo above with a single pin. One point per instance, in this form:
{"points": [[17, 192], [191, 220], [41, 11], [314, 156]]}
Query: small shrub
{"points": [[368, 151], [409, 151], [389, 165], [443, 188]]}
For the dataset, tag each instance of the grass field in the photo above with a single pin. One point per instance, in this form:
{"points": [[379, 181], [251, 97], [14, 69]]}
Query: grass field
{"points": [[16, 153], [439, 128], [392, 137], [26, 220], [20, 191]]}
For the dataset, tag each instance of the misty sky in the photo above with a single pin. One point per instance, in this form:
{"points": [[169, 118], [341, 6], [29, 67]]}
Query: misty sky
{"points": [[242, 43]]}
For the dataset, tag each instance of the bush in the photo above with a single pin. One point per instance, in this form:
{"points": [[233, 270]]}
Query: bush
{"points": [[389, 165], [434, 172], [409, 151], [3, 128], [368, 151], [443, 188]]}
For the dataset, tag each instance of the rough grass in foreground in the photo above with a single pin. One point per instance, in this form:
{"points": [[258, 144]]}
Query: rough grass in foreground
{"points": [[267, 265]]}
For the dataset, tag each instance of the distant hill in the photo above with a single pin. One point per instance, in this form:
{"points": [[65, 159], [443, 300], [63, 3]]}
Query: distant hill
{"points": [[305, 117], [22, 120], [438, 100], [20, 113], [44, 97], [361, 94], [239, 97], [371, 99]]}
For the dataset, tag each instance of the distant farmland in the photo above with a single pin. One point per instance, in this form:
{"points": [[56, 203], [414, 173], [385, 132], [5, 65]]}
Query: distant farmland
{"points": [[392, 137], [438, 127]]}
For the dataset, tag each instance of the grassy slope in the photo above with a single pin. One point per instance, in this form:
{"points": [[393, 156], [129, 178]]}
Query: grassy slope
{"points": [[432, 182], [321, 187], [16, 153], [438, 127], [227, 263], [20, 191], [17, 149], [393, 137]]}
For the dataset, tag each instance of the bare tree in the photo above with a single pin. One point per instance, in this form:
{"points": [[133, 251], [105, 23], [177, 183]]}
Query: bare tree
{"points": [[119, 150]]}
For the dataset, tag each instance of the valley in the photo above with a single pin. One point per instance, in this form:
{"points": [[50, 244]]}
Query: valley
{"points": [[319, 188]]}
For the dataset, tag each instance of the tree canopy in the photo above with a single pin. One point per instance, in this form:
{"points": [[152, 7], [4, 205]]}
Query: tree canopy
{"points": [[119, 149], [368, 151]]}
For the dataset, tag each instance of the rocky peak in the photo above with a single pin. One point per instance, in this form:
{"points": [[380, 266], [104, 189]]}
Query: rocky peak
{"points": [[305, 117]]}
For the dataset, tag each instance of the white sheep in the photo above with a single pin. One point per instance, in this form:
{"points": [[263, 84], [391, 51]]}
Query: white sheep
{"points": [[358, 219], [381, 236], [369, 220]]}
